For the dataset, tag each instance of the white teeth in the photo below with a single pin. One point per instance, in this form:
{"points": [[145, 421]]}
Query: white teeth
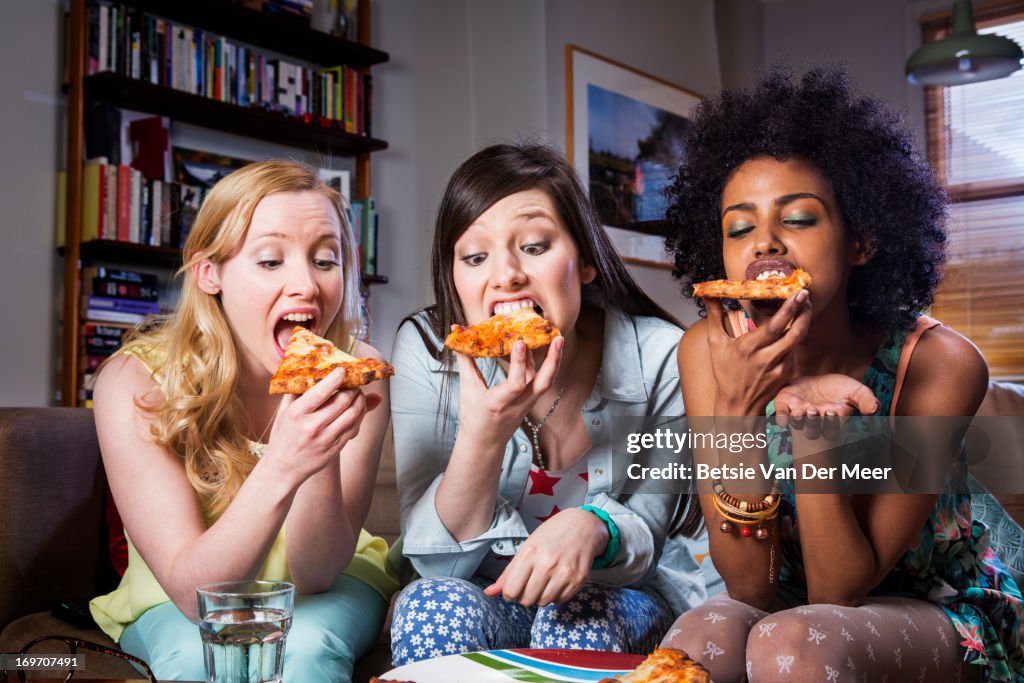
{"points": [[298, 317], [507, 307], [765, 274]]}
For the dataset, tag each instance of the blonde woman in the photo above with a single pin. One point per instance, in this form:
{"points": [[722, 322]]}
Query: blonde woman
{"points": [[214, 478]]}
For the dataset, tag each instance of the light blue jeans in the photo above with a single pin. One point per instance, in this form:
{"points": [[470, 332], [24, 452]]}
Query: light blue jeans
{"points": [[329, 632]]}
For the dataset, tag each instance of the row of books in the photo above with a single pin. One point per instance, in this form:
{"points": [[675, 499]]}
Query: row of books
{"points": [[300, 9], [112, 295], [132, 43], [364, 220], [119, 203], [113, 302]]}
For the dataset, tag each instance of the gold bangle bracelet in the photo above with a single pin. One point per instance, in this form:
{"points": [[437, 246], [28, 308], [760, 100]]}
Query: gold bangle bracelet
{"points": [[746, 521]]}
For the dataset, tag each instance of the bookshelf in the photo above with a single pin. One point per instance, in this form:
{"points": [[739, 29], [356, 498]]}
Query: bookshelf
{"points": [[271, 33]]}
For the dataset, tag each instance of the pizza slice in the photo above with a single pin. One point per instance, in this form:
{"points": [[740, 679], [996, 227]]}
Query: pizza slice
{"points": [[495, 336], [665, 665], [309, 358], [768, 288]]}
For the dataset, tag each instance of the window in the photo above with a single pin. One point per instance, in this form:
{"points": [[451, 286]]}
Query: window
{"points": [[975, 138]]}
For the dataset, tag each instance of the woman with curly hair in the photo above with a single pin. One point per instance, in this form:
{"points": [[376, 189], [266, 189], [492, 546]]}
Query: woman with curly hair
{"points": [[821, 584], [208, 469]]}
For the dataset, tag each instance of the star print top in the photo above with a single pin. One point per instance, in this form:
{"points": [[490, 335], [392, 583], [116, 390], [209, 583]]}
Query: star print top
{"points": [[547, 494]]}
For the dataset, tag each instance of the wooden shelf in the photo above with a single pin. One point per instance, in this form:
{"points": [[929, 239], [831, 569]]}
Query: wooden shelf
{"points": [[250, 122], [129, 252], [112, 251], [276, 35], [275, 32]]}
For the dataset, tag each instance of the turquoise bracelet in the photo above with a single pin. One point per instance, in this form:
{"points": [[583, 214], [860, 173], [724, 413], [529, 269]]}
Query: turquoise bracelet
{"points": [[610, 550]]}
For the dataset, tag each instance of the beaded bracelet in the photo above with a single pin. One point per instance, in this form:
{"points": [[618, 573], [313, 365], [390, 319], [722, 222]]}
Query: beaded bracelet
{"points": [[744, 513], [610, 550]]}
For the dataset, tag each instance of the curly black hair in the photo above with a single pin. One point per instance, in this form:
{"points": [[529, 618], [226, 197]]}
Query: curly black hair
{"points": [[885, 190]]}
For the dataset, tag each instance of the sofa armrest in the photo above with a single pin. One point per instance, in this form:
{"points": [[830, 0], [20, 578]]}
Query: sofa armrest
{"points": [[52, 490]]}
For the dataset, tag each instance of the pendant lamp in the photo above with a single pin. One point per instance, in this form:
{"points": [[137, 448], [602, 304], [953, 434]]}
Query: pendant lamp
{"points": [[964, 56]]}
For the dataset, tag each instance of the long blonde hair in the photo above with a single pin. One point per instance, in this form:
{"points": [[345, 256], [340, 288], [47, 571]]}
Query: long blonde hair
{"points": [[192, 354]]}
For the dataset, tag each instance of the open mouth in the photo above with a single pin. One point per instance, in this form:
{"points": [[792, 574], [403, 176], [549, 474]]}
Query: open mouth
{"points": [[283, 328], [509, 307], [764, 269]]}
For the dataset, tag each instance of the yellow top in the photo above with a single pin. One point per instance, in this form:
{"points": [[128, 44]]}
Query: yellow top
{"points": [[139, 589]]}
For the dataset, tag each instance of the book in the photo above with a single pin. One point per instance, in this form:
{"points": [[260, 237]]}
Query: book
{"points": [[124, 290], [109, 303], [100, 345], [103, 315], [124, 202], [111, 330], [135, 220], [102, 128], [368, 239], [94, 204], [106, 273], [150, 141], [109, 227]]}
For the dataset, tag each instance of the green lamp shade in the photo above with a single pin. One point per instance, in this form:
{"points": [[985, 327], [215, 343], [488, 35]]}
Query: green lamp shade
{"points": [[965, 56]]}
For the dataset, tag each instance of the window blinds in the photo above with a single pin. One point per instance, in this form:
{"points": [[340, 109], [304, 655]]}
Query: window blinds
{"points": [[976, 145]]}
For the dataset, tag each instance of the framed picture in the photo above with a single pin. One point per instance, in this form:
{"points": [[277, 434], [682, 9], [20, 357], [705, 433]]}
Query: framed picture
{"points": [[625, 132], [203, 169]]}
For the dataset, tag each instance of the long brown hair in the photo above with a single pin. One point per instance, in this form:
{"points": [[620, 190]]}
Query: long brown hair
{"points": [[489, 176], [192, 354]]}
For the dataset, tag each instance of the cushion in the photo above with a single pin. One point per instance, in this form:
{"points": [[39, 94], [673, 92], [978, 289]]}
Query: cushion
{"points": [[51, 485]]}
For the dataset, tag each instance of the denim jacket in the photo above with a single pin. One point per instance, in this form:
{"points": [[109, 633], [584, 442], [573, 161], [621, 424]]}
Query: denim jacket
{"points": [[638, 377]]}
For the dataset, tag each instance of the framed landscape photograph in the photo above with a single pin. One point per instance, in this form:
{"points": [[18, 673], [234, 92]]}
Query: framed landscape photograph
{"points": [[625, 132]]}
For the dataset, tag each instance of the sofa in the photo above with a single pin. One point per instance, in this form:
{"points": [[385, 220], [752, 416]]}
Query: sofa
{"points": [[53, 534], [53, 544]]}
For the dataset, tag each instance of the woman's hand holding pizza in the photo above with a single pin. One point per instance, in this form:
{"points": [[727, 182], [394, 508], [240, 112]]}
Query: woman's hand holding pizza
{"points": [[492, 414], [752, 368], [311, 429], [554, 562]]}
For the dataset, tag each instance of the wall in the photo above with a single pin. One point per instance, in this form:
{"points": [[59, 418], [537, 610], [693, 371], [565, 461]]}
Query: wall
{"points": [[462, 74], [872, 37], [739, 27], [31, 112]]}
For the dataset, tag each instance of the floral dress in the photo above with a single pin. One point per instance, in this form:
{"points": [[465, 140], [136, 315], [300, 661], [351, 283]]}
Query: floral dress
{"points": [[951, 564]]}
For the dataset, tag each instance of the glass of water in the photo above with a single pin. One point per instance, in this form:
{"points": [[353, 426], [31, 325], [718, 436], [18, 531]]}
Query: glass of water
{"points": [[244, 625]]}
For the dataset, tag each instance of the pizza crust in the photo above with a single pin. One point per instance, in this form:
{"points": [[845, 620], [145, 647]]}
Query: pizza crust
{"points": [[309, 358], [769, 288], [494, 337], [665, 665]]}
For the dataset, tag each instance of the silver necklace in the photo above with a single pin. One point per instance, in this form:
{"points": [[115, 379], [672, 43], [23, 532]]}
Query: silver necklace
{"points": [[535, 429]]}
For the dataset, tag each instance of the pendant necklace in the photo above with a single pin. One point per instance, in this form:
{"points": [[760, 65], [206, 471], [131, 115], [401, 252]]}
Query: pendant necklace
{"points": [[535, 429]]}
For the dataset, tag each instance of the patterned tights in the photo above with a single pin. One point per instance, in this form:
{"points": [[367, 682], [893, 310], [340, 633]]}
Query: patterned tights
{"points": [[892, 640]]}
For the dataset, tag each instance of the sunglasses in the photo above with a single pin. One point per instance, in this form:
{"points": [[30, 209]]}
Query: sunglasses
{"points": [[74, 645]]}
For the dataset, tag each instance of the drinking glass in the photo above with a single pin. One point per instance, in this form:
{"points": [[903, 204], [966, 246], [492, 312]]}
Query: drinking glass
{"points": [[244, 625]]}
